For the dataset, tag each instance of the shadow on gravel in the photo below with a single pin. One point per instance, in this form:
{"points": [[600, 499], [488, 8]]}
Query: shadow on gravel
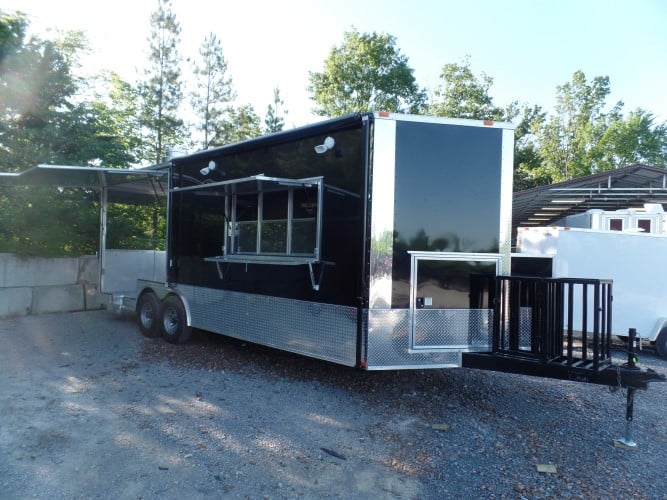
{"points": [[89, 406], [214, 352], [497, 427]]}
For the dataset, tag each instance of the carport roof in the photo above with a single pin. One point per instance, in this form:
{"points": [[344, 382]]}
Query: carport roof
{"points": [[626, 187]]}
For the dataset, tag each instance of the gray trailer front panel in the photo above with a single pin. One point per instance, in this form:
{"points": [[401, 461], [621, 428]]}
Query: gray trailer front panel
{"points": [[441, 195]]}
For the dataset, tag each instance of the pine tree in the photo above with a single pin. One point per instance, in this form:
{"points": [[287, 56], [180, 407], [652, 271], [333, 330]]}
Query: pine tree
{"points": [[214, 91], [161, 92], [274, 120]]}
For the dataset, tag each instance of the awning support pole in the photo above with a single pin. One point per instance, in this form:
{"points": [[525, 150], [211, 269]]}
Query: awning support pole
{"points": [[103, 230]]}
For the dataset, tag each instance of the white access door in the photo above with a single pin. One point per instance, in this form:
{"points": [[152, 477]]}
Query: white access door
{"points": [[451, 300]]}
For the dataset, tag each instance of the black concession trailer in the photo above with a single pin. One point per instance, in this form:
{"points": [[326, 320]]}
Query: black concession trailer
{"points": [[375, 240], [370, 240]]}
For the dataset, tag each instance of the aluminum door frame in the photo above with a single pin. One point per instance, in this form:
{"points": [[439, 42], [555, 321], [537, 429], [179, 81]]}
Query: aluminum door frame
{"points": [[415, 257]]}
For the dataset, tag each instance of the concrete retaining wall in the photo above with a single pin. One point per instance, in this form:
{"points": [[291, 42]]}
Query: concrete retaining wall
{"points": [[42, 285]]}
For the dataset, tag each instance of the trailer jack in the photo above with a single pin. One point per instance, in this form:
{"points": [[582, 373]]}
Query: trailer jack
{"points": [[627, 442], [534, 335]]}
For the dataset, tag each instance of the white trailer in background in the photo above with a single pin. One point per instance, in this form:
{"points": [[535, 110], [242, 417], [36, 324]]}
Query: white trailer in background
{"points": [[634, 260], [649, 219]]}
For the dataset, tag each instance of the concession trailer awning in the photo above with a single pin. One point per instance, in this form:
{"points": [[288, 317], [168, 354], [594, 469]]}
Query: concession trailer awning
{"points": [[123, 185]]}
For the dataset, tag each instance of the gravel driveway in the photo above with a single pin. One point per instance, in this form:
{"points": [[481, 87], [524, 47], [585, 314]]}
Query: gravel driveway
{"points": [[89, 408]]}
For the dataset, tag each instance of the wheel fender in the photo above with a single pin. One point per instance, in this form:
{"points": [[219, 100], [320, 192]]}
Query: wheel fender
{"points": [[160, 291], [163, 292], [186, 305], [141, 294]]}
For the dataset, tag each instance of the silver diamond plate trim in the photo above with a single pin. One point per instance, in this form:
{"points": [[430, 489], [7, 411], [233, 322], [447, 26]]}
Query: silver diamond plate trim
{"points": [[453, 328], [525, 327], [323, 331], [525, 330], [364, 333], [389, 341]]}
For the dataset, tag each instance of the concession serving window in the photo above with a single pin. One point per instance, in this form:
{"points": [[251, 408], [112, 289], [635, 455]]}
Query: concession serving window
{"points": [[269, 220]]}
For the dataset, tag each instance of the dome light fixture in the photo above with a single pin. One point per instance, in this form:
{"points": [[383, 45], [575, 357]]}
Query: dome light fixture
{"points": [[207, 170], [328, 144]]}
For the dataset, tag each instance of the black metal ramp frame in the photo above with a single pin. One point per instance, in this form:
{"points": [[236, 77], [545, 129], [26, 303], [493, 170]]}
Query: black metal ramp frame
{"points": [[557, 328]]}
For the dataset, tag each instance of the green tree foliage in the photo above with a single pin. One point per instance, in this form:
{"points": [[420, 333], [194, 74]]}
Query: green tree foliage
{"points": [[42, 112], [581, 138], [635, 139], [137, 227], [38, 119], [213, 92], [161, 90], [526, 149], [461, 94], [36, 105], [274, 120], [12, 33], [44, 120], [243, 123], [366, 73], [116, 109], [44, 221], [568, 137]]}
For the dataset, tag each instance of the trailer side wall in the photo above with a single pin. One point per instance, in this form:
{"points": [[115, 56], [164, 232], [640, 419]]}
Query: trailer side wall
{"points": [[277, 262], [198, 218]]}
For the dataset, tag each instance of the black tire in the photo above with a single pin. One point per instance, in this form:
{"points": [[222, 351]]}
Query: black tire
{"points": [[148, 315], [661, 343], [173, 324]]}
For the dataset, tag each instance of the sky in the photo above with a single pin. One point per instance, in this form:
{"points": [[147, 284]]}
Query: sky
{"points": [[528, 47]]}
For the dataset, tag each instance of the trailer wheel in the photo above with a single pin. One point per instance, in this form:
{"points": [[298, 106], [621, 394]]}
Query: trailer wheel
{"points": [[148, 310], [174, 323], [661, 343]]}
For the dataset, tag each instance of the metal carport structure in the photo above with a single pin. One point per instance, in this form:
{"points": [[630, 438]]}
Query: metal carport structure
{"points": [[627, 187]]}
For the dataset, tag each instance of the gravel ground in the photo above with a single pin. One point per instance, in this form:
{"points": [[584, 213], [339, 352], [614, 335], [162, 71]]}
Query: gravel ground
{"points": [[90, 409]]}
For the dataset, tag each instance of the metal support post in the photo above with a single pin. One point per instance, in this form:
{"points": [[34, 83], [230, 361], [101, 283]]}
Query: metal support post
{"points": [[628, 442]]}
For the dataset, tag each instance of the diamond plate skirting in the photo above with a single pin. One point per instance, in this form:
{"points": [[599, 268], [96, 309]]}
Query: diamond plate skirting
{"points": [[322, 331], [327, 331], [388, 343], [453, 328]]}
